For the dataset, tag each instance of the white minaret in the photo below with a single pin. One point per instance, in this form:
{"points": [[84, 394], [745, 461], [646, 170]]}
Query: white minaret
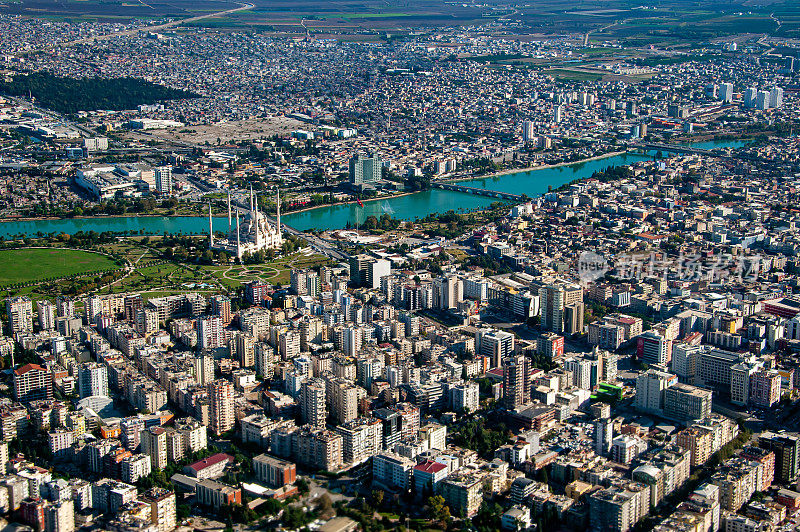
{"points": [[278, 217], [229, 211], [238, 238], [257, 225], [210, 228]]}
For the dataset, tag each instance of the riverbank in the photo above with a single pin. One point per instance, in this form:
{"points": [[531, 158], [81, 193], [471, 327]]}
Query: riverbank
{"points": [[405, 205], [527, 169], [350, 202], [102, 216]]}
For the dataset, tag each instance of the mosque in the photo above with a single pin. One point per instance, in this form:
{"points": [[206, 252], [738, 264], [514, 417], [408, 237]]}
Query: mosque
{"points": [[254, 233]]}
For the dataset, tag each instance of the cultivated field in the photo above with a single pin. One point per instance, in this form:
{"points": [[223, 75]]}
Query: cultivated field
{"points": [[114, 10]]}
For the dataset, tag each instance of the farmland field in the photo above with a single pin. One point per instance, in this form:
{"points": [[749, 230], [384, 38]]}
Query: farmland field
{"points": [[24, 265], [671, 23]]}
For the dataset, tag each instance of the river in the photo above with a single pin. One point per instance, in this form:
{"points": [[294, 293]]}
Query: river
{"points": [[533, 183]]}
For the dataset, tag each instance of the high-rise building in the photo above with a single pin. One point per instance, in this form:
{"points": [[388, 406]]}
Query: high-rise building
{"points": [[603, 436], [305, 282], [749, 99], [65, 307], [528, 131], [289, 345], [194, 436], [31, 510], [786, 447], [220, 393], [362, 438], [392, 471], [20, 314], [93, 379], [133, 304], [653, 348], [550, 345], [203, 368], [765, 388], [448, 292], [368, 370], [210, 333], [762, 100], [562, 308], [163, 176], [619, 508], [344, 399], [163, 510], [313, 410], [59, 516], [740, 379], [131, 432], [245, 346], [33, 382], [352, 339], [368, 271], [776, 98], [465, 397], [146, 321], [365, 169], [514, 380], [221, 306], [392, 426], [319, 449], [726, 92], [494, 344], [558, 114], [154, 445], [684, 402], [47, 314], [650, 390]]}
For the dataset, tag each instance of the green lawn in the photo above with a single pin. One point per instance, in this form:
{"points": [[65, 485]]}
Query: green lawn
{"points": [[23, 265], [573, 75]]}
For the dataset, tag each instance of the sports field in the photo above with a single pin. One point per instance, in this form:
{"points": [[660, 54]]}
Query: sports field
{"points": [[24, 265]]}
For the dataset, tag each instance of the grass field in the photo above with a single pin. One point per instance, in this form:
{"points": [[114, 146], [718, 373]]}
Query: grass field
{"points": [[573, 75], [25, 265]]}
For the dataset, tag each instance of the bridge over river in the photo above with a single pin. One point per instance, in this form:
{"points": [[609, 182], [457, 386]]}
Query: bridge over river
{"points": [[479, 191]]}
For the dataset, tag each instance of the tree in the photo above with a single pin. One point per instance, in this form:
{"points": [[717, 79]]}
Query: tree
{"points": [[439, 510], [294, 517], [488, 517], [541, 475], [302, 486], [377, 498], [325, 506]]}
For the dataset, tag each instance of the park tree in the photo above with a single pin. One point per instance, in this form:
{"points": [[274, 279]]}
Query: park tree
{"points": [[439, 510]]}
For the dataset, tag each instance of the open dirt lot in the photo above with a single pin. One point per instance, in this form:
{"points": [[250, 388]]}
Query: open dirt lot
{"points": [[255, 128]]}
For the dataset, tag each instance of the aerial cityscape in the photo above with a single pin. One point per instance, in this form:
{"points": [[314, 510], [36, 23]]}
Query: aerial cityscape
{"points": [[409, 265]]}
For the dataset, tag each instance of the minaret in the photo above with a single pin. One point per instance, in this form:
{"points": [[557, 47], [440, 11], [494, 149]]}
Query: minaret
{"points": [[210, 228], [229, 211], [257, 225], [278, 217], [238, 239], [251, 199]]}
